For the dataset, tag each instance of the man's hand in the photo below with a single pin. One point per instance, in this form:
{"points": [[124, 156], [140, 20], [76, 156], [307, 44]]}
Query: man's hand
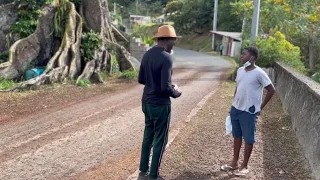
{"points": [[175, 87]]}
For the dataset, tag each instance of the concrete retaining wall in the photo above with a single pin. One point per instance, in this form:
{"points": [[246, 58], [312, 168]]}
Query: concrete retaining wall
{"points": [[300, 98], [137, 48]]}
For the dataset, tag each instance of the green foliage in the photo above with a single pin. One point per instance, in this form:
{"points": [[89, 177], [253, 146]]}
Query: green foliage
{"points": [[104, 75], [28, 14], [90, 43], [32, 4], [60, 18], [147, 40], [7, 84], [129, 74], [151, 8], [142, 32], [115, 64], [27, 21], [298, 20], [189, 16], [277, 48], [196, 42], [139, 30], [84, 83], [228, 21]]}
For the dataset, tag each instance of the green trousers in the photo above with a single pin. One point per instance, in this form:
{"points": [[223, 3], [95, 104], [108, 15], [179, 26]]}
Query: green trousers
{"points": [[157, 120]]}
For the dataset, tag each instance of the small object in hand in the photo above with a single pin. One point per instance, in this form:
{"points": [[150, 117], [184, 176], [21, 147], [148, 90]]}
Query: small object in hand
{"points": [[175, 87], [228, 125]]}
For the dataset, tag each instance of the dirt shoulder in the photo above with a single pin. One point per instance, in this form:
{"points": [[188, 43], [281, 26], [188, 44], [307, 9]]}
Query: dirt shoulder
{"points": [[47, 99], [198, 152]]}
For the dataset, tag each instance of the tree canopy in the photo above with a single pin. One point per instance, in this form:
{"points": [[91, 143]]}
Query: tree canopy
{"points": [[298, 21]]}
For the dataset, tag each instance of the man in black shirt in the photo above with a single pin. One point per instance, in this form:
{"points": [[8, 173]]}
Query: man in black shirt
{"points": [[155, 73]]}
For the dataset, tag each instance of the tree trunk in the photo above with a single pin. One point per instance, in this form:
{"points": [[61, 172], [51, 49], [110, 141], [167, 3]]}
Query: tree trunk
{"points": [[36, 47], [65, 64]]}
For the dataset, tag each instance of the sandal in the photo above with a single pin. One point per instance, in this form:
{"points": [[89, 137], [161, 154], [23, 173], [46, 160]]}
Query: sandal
{"points": [[242, 172], [227, 167]]}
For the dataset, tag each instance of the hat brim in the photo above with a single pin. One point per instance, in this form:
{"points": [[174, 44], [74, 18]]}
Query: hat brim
{"points": [[157, 37]]}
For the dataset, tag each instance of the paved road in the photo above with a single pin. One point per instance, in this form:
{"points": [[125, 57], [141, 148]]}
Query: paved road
{"points": [[73, 141]]}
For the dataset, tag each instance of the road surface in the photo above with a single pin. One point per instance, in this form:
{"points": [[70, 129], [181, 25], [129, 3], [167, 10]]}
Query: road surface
{"points": [[70, 142]]}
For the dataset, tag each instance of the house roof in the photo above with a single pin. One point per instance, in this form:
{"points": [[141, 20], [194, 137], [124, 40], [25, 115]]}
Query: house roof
{"points": [[233, 35]]}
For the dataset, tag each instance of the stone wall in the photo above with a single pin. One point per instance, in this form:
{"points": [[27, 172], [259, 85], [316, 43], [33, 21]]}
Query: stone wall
{"points": [[8, 16], [300, 98], [137, 48]]}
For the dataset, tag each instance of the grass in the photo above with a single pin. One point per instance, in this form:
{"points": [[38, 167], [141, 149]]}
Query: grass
{"points": [[196, 42], [84, 83], [129, 74], [7, 84], [104, 76]]}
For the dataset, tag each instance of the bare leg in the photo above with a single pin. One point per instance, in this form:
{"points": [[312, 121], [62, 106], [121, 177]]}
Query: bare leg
{"points": [[236, 151], [247, 154]]}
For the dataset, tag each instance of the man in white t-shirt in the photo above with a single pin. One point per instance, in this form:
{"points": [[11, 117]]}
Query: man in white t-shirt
{"points": [[247, 105]]}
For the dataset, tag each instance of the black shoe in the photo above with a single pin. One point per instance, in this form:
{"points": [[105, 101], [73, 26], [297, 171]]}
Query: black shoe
{"points": [[158, 178], [143, 176]]}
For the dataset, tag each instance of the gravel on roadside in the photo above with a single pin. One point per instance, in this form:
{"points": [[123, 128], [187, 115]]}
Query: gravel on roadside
{"points": [[202, 146]]}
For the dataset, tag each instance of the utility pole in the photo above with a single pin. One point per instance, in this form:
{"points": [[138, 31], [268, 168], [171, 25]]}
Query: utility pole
{"points": [[137, 3], [255, 21], [114, 8], [215, 16]]}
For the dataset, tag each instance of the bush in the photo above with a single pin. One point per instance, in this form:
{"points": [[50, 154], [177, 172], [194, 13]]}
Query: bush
{"points": [[26, 23], [90, 43], [7, 84], [147, 40], [129, 74], [84, 83], [115, 64], [277, 48], [28, 14], [144, 33]]}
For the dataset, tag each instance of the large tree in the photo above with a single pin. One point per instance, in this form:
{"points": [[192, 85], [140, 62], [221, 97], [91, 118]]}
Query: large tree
{"points": [[197, 15], [57, 43]]}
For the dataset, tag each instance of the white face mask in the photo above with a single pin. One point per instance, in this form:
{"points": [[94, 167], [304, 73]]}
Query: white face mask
{"points": [[248, 63]]}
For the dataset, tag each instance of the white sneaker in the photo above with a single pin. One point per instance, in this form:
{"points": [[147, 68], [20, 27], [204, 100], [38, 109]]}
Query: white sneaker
{"points": [[242, 172]]}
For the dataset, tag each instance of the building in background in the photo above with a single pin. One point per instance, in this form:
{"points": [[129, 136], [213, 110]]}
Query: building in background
{"points": [[142, 20], [231, 42]]}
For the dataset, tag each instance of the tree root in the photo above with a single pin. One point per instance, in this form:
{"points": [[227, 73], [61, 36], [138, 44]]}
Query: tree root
{"points": [[66, 62], [66, 65]]}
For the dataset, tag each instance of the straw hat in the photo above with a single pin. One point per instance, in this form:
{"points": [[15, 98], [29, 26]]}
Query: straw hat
{"points": [[166, 31]]}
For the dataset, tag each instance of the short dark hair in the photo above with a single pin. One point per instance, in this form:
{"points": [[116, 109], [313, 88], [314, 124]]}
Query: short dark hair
{"points": [[253, 51]]}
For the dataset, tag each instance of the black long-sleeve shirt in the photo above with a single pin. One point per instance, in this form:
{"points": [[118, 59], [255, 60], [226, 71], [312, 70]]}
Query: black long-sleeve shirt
{"points": [[155, 73]]}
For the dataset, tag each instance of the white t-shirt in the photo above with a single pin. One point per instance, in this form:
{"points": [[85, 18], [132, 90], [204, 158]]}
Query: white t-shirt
{"points": [[250, 87]]}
